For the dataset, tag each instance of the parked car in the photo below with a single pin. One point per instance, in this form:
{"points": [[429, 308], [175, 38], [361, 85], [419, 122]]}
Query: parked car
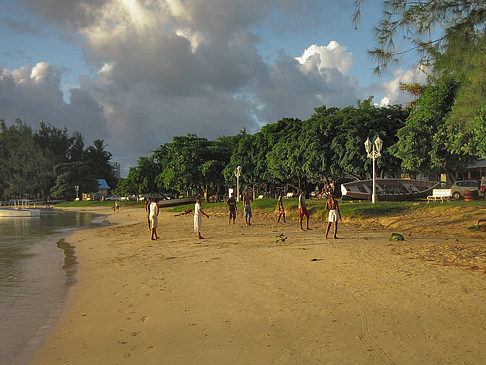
{"points": [[459, 187]]}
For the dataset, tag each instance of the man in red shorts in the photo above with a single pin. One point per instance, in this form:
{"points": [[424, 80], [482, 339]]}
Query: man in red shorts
{"points": [[303, 210]]}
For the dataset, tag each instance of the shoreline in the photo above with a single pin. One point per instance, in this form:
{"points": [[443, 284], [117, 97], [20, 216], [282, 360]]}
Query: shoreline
{"points": [[68, 268], [240, 297]]}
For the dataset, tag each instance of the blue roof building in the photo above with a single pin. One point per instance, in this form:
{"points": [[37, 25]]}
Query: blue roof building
{"points": [[103, 187]]}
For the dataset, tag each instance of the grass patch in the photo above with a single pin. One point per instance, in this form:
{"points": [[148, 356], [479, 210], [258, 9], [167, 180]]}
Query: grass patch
{"points": [[358, 209], [95, 203]]}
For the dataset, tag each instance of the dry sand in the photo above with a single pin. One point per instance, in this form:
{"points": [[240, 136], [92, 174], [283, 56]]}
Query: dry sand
{"points": [[237, 297]]}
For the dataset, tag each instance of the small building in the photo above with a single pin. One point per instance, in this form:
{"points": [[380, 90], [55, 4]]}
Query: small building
{"points": [[103, 187], [476, 170]]}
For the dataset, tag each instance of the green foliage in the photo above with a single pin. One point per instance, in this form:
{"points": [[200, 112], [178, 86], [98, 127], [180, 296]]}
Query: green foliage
{"points": [[70, 174], [426, 142], [140, 179], [98, 160], [191, 163], [458, 50], [396, 237], [96, 203], [48, 161]]}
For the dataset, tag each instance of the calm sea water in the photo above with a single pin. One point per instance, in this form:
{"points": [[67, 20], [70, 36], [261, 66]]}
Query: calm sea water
{"points": [[36, 269]]}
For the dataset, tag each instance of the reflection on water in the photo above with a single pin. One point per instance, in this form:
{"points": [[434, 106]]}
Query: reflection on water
{"points": [[36, 266]]}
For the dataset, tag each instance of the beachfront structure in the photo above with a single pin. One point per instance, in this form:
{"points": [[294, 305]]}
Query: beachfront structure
{"points": [[103, 187]]}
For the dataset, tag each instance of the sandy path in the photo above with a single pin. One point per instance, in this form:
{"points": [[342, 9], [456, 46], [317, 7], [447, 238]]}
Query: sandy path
{"points": [[238, 298]]}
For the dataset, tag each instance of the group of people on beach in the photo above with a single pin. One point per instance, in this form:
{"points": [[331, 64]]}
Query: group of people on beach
{"points": [[152, 210], [331, 205]]}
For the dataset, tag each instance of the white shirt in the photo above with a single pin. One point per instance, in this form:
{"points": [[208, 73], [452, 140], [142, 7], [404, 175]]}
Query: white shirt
{"points": [[197, 209], [153, 208]]}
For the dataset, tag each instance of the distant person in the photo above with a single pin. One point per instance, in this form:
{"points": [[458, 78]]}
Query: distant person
{"points": [[281, 210], [334, 215], [198, 212], [147, 210], [117, 206], [231, 203], [246, 203], [303, 210], [154, 215]]}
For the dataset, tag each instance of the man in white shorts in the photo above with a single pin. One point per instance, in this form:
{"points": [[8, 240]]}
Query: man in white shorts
{"points": [[334, 215]]}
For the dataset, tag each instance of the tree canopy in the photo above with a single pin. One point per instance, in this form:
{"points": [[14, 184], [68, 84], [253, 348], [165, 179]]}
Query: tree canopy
{"points": [[49, 161]]}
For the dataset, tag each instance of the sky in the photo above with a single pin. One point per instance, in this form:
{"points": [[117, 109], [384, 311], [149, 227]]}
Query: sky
{"points": [[136, 73]]}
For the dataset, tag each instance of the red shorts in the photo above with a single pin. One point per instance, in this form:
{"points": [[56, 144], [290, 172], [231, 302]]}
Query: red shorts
{"points": [[303, 213]]}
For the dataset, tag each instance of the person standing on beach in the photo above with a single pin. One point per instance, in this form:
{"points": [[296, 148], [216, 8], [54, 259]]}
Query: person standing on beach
{"points": [[281, 210], [117, 206], [334, 215], [246, 203], [198, 212], [303, 210], [153, 218], [231, 203], [147, 210]]}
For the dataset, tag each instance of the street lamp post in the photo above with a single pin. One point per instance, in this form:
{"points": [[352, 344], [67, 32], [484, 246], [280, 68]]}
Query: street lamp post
{"points": [[238, 174], [373, 151]]}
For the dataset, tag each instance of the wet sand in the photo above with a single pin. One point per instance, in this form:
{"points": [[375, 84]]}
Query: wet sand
{"points": [[238, 297]]}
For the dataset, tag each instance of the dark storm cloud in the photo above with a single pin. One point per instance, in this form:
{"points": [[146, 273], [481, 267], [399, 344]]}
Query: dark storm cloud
{"points": [[174, 67], [32, 94]]}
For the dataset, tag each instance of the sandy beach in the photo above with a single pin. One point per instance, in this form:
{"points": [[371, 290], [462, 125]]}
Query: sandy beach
{"points": [[238, 297]]}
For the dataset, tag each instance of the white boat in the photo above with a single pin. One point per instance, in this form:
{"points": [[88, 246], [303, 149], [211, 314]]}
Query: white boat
{"points": [[389, 189]]}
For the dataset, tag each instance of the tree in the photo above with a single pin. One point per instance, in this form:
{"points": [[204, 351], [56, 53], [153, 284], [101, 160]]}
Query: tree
{"points": [[27, 168], [424, 142], [140, 179], [417, 21], [457, 50], [287, 157], [98, 160], [71, 174], [191, 163]]}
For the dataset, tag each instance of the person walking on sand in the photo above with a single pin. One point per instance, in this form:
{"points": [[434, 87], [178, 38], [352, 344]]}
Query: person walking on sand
{"points": [[147, 210], [246, 203], [198, 212], [303, 210], [117, 206], [153, 215], [281, 210], [334, 215], [231, 203]]}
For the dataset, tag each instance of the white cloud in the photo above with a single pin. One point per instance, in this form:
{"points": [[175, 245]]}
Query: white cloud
{"points": [[391, 89], [321, 58], [172, 67]]}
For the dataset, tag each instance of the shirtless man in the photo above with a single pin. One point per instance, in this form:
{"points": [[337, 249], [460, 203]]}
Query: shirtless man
{"points": [[281, 210], [147, 210], [303, 210], [334, 215], [231, 203], [246, 204]]}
